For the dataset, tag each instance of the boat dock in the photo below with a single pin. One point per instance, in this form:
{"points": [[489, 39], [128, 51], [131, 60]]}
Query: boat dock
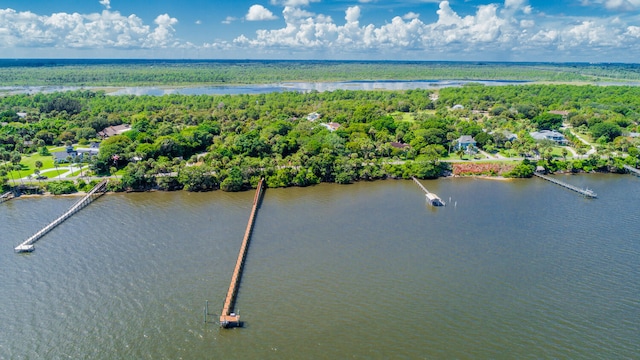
{"points": [[97, 191], [229, 318], [432, 198], [586, 192], [6, 196], [632, 170]]}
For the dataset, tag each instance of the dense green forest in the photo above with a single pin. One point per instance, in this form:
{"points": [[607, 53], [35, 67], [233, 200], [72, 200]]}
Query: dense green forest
{"points": [[208, 142], [137, 73]]}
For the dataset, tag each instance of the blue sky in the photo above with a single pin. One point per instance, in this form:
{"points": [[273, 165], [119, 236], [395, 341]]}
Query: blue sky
{"points": [[478, 30]]}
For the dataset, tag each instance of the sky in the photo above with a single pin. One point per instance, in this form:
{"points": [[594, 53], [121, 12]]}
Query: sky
{"points": [[453, 30]]}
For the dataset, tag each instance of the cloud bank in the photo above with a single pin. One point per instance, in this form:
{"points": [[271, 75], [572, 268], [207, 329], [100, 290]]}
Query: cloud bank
{"points": [[97, 30], [512, 30]]}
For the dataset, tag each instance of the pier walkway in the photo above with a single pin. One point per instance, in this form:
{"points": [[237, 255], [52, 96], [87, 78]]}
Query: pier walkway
{"points": [[632, 170], [586, 192], [228, 317], [97, 191], [6, 196], [432, 198]]}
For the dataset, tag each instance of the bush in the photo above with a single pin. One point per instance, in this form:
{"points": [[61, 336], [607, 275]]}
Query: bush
{"points": [[523, 170], [61, 187]]}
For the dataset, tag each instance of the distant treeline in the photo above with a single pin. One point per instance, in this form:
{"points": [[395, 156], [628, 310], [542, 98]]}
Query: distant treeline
{"points": [[38, 72]]}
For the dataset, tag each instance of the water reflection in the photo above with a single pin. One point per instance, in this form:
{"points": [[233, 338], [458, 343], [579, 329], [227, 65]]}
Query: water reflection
{"points": [[259, 88], [305, 87]]}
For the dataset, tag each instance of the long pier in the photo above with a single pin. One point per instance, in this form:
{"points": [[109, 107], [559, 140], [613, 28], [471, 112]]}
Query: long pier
{"points": [[632, 170], [586, 192], [97, 191], [432, 198], [228, 317]]}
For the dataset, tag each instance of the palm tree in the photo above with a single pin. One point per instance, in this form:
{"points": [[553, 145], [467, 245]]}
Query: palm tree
{"points": [[55, 163], [70, 161], [15, 160]]}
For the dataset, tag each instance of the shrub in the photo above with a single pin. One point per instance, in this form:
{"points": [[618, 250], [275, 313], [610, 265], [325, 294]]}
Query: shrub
{"points": [[61, 187]]}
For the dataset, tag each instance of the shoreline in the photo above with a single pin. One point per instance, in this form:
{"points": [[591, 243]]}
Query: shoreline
{"points": [[449, 177]]}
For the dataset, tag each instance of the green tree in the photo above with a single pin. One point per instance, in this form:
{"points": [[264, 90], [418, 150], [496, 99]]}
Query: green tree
{"points": [[607, 131], [233, 181]]}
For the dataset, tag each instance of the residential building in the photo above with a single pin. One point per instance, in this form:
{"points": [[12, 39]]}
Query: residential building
{"points": [[332, 126], [313, 116], [552, 135], [114, 130], [464, 141]]}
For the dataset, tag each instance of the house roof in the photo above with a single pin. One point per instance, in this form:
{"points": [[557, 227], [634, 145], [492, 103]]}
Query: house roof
{"points": [[114, 130], [313, 116], [332, 126], [62, 155], [546, 135], [559, 112], [466, 139], [399, 145]]}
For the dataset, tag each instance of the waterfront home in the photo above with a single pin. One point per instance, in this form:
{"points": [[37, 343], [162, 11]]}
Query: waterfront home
{"points": [[91, 151], [332, 126], [313, 116], [552, 135], [563, 113], [114, 130], [399, 145], [63, 156], [464, 141], [508, 135]]}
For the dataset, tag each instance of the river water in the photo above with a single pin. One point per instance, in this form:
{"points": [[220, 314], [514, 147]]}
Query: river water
{"points": [[253, 89], [517, 269]]}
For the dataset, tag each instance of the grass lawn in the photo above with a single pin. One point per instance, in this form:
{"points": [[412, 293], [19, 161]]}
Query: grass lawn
{"points": [[410, 117], [28, 162]]}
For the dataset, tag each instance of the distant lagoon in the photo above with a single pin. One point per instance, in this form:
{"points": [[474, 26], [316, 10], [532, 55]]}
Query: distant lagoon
{"points": [[252, 89], [261, 88]]}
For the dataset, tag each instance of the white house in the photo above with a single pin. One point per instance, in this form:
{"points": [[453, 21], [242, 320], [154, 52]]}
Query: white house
{"points": [[464, 141], [332, 126], [552, 135], [313, 116]]}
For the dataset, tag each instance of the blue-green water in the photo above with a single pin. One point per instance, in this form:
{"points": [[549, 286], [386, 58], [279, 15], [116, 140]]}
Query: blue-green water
{"points": [[509, 269]]}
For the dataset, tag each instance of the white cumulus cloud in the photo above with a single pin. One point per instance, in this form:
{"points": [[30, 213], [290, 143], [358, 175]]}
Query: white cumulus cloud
{"points": [[509, 31], [106, 4], [259, 13], [410, 16], [96, 30], [229, 20]]}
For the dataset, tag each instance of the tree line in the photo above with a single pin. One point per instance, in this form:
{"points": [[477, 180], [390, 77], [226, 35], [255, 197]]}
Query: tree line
{"points": [[228, 142]]}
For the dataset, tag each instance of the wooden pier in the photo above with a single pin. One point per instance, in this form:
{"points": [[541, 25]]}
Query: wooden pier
{"points": [[6, 196], [632, 170], [432, 198], [229, 318], [586, 192], [97, 191]]}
